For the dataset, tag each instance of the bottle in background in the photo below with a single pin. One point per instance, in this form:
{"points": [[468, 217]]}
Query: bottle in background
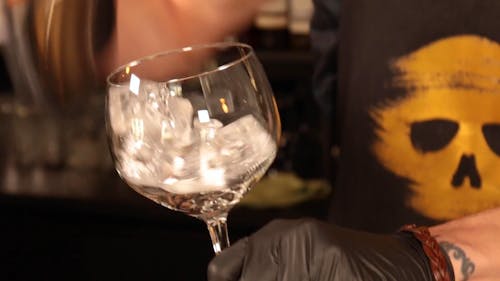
{"points": [[300, 13], [271, 31]]}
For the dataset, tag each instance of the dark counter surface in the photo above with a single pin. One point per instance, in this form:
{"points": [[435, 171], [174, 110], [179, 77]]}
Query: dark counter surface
{"points": [[88, 225]]}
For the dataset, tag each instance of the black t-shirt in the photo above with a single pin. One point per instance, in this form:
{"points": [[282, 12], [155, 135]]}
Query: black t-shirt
{"points": [[417, 108]]}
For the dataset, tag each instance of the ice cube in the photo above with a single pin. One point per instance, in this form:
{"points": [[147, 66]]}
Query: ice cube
{"points": [[242, 145], [154, 128], [205, 127], [162, 146], [224, 155], [141, 100], [177, 128], [115, 105], [140, 163]]}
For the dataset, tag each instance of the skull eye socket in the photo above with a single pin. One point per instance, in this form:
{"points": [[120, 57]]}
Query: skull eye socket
{"points": [[491, 133], [432, 135]]}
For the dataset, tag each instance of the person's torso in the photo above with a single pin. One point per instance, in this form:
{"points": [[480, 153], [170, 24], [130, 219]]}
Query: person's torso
{"points": [[419, 100]]}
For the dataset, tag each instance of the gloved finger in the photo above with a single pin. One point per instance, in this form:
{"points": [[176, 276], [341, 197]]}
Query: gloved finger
{"points": [[246, 258], [228, 264], [274, 228], [262, 261]]}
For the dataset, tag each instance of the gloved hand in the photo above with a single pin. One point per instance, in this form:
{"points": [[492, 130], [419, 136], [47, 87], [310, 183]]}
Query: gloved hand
{"points": [[308, 249]]}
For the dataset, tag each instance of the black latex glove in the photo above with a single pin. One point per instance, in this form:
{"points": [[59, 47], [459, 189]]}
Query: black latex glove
{"points": [[308, 249]]}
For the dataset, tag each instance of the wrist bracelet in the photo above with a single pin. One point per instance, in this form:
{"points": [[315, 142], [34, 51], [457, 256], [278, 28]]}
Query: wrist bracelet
{"points": [[435, 255]]}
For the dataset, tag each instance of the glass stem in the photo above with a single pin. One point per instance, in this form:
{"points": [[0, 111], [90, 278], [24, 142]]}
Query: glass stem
{"points": [[217, 228]]}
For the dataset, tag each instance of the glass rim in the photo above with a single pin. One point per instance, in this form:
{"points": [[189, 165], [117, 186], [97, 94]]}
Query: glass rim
{"points": [[188, 48]]}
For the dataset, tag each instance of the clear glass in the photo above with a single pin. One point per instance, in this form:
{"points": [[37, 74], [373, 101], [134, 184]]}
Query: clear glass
{"points": [[193, 129]]}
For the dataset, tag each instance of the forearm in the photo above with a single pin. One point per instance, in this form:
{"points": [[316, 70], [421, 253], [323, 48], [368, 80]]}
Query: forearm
{"points": [[473, 245], [146, 27]]}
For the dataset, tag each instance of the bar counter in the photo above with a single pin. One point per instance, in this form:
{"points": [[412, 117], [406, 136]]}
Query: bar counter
{"points": [[88, 225]]}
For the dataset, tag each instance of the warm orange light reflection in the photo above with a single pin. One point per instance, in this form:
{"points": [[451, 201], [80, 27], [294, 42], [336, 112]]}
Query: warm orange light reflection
{"points": [[224, 106]]}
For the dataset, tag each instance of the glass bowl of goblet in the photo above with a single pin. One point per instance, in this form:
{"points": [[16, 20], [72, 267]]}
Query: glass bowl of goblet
{"points": [[193, 129]]}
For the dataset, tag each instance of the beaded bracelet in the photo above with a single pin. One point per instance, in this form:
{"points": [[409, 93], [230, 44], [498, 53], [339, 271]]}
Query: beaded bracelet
{"points": [[437, 260]]}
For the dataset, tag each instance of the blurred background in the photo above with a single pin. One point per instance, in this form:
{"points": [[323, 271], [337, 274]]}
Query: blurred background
{"points": [[64, 212]]}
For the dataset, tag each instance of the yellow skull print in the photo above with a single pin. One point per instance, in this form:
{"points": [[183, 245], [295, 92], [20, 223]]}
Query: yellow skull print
{"points": [[444, 134]]}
